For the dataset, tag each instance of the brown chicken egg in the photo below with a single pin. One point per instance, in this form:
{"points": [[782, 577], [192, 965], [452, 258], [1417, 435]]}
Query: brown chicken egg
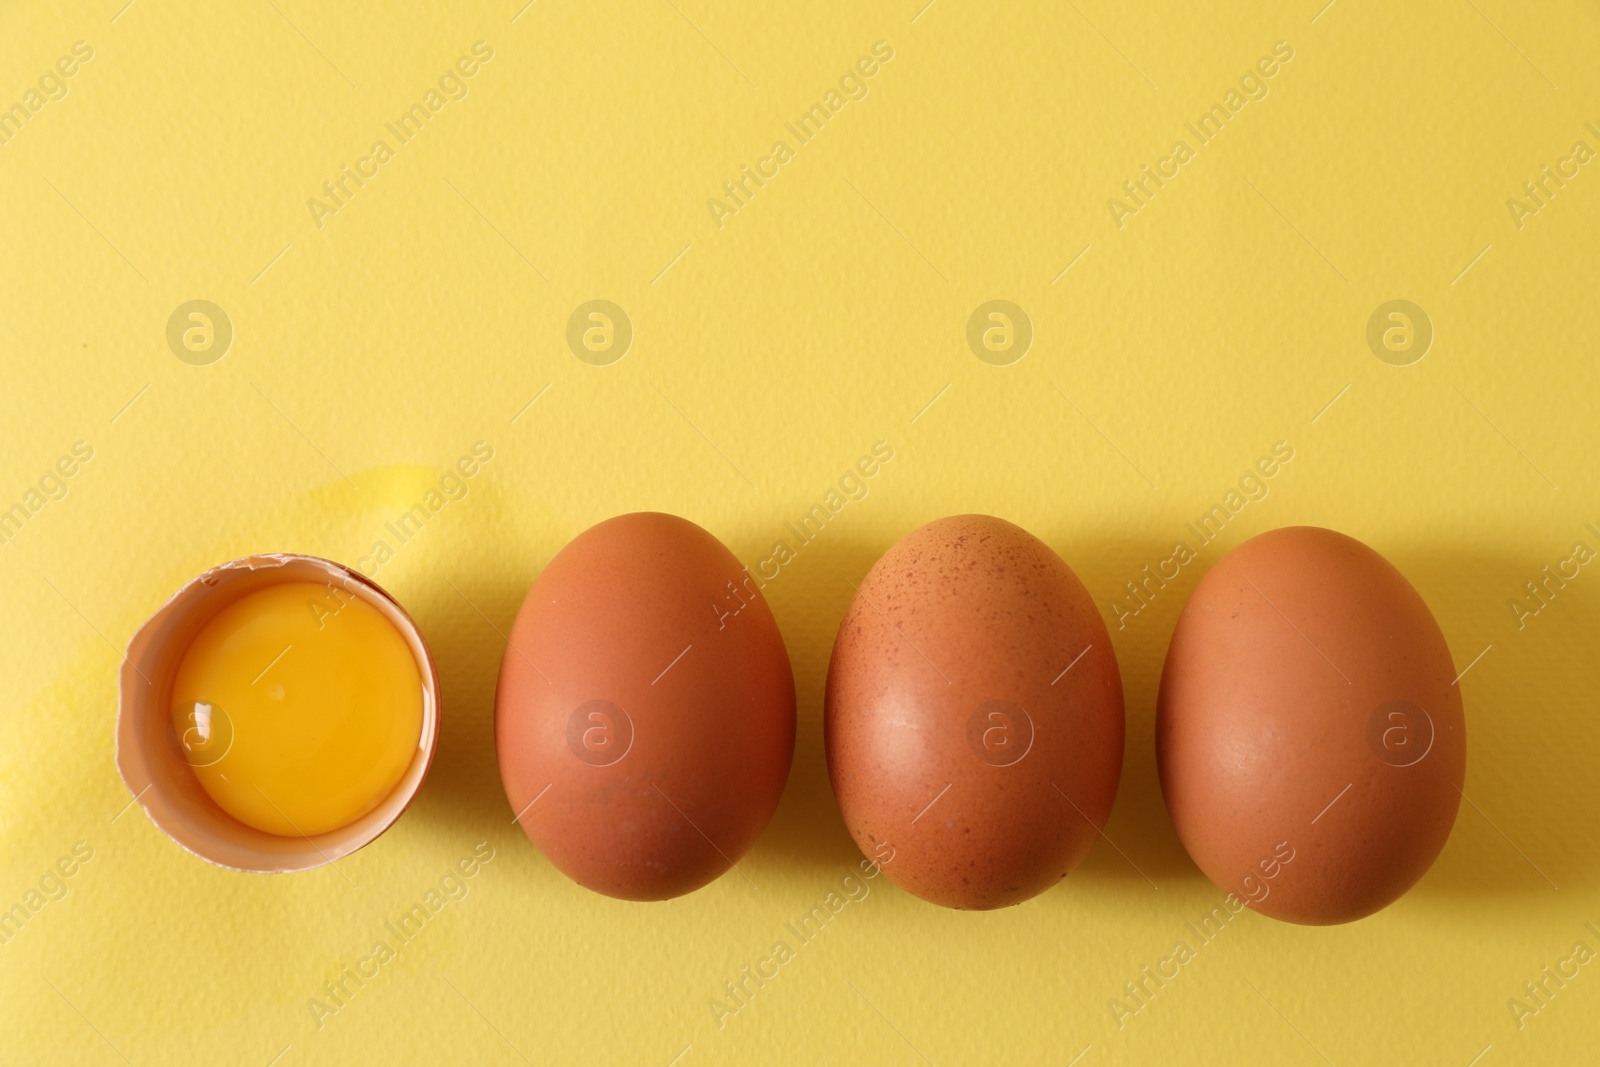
{"points": [[1309, 732], [973, 719], [645, 714]]}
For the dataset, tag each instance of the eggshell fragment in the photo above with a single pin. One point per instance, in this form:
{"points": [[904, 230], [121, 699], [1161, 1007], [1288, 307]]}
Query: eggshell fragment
{"points": [[1309, 733], [645, 715], [974, 719]]}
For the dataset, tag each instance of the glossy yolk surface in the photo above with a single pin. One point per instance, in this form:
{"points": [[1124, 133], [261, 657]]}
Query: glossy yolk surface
{"points": [[299, 707]]}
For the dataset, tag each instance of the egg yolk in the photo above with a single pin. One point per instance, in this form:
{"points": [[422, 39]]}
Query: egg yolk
{"points": [[299, 708]]}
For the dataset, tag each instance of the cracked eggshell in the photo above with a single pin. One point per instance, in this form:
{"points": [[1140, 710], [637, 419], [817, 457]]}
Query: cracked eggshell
{"points": [[974, 716], [151, 762], [1309, 731]]}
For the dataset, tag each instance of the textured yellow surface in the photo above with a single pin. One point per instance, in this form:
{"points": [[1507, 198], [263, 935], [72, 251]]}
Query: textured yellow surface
{"points": [[774, 341]]}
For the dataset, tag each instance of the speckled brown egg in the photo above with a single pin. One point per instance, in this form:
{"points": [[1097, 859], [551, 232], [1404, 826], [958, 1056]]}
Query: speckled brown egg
{"points": [[645, 714], [1309, 731], [973, 718]]}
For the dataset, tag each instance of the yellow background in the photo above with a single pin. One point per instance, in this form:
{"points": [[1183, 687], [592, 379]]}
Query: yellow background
{"points": [[825, 315]]}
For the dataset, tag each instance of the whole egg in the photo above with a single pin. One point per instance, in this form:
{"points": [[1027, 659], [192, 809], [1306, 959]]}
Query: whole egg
{"points": [[1309, 731], [645, 715], [973, 718]]}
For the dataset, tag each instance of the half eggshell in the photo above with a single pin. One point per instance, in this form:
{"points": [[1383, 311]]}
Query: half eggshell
{"points": [[151, 761]]}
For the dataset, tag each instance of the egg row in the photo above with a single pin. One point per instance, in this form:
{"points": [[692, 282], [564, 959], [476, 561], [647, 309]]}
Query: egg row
{"points": [[1309, 730]]}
